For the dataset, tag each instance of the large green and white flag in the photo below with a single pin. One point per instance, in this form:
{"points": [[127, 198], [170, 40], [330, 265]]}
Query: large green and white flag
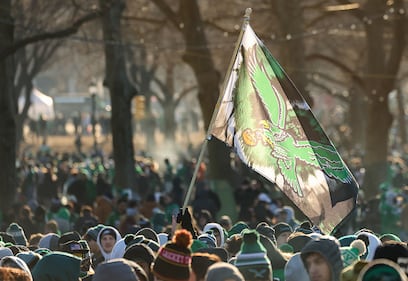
{"points": [[264, 117]]}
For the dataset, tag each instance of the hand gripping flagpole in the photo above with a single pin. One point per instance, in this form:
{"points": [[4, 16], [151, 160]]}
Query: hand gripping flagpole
{"points": [[247, 16]]}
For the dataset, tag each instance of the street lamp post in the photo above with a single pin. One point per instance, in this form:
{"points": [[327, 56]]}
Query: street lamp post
{"points": [[92, 91]]}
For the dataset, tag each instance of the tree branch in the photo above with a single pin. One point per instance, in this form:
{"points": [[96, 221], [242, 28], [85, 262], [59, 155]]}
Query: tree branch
{"points": [[168, 12], [48, 35], [357, 79]]}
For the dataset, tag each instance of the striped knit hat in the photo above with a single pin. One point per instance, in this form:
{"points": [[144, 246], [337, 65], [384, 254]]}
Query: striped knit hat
{"points": [[173, 261], [252, 260]]}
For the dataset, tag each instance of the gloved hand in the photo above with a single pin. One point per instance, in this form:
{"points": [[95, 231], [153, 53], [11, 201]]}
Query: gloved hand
{"points": [[186, 223]]}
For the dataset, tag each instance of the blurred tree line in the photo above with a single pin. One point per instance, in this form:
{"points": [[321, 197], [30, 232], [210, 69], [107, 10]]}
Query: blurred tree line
{"points": [[348, 53]]}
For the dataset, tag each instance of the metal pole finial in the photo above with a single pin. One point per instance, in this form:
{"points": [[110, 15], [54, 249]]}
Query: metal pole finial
{"points": [[247, 15]]}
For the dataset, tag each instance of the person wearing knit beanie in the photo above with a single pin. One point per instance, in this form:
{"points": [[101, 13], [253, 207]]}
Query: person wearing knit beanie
{"points": [[305, 227], [252, 260], [389, 237], [393, 251], [346, 240], [353, 252], [148, 233], [277, 258], [68, 237], [173, 260], [142, 255], [91, 237], [282, 232], [218, 251], [57, 266], [381, 269], [298, 240], [15, 262], [266, 230], [30, 258], [237, 228], [119, 269], [5, 251], [92, 232], [49, 241], [131, 239], [222, 271], [18, 234], [7, 238], [196, 245], [200, 263], [322, 259]]}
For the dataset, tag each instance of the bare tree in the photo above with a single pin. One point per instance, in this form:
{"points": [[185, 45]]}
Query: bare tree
{"points": [[9, 45], [197, 55], [121, 93]]}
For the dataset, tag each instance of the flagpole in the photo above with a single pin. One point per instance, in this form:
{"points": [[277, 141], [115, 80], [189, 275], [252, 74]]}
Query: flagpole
{"points": [[245, 23]]}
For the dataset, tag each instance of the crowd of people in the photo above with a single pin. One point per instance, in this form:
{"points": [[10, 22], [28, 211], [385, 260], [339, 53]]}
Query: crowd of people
{"points": [[71, 223]]}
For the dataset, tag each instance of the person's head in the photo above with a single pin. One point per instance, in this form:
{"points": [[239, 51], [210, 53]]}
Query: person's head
{"points": [[173, 260], [15, 262], [14, 274], [381, 269], [142, 255], [57, 266], [81, 250], [322, 259], [91, 237], [252, 260], [119, 269], [318, 267], [35, 239], [203, 217], [217, 231], [226, 222], [107, 238], [282, 232], [200, 263], [222, 271], [51, 227], [18, 234]]}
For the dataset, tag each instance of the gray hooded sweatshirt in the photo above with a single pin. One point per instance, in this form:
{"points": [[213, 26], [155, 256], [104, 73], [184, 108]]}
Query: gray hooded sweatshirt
{"points": [[329, 248]]}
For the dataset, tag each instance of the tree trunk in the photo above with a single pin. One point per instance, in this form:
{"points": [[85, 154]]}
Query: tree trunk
{"points": [[169, 122], [121, 94], [8, 108], [402, 140], [198, 56], [384, 55], [290, 14], [357, 120], [169, 107]]}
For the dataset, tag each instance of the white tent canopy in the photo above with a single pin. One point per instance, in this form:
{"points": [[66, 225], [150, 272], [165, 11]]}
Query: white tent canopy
{"points": [[41, 105]]}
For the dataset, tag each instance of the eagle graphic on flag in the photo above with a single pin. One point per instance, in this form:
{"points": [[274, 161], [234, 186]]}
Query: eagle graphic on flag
{"points": [[264, 117]]}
